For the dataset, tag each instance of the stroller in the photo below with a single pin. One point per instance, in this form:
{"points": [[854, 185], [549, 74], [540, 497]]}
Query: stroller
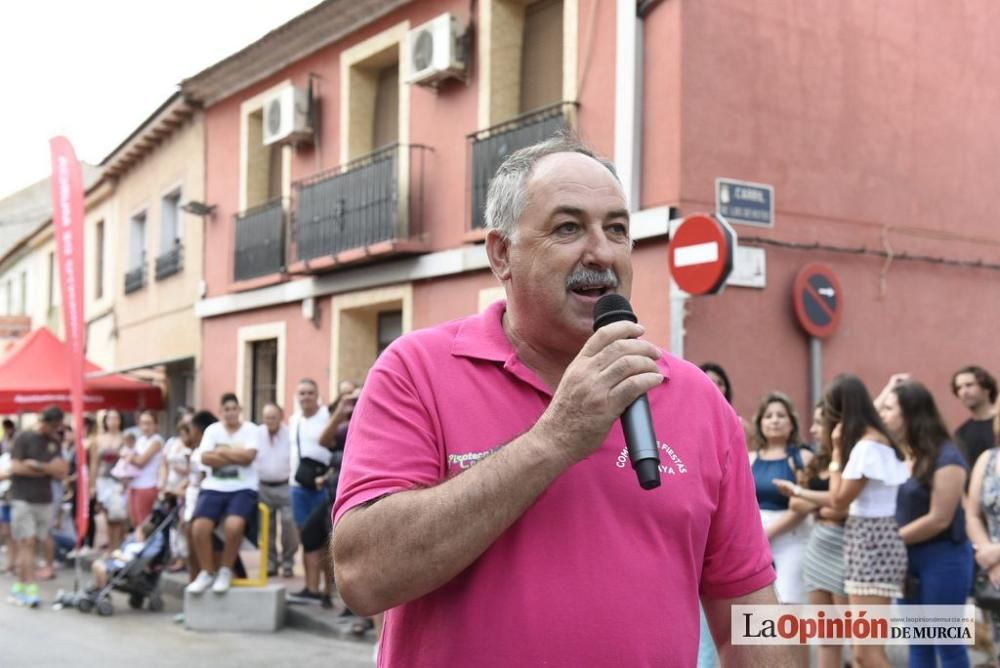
{"points": [[140, 577]]}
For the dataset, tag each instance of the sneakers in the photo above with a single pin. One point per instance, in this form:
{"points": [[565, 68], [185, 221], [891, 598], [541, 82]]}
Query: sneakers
{"points": [[31, 598], [326, 602], [305, 596], [201, 583], [222, 581], [287, 572], [25, 595]]}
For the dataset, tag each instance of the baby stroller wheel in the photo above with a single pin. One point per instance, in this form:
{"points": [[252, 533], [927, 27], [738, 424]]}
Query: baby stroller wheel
{"points": [[85, 604], [156, 603], [135, 601], [104, 608]]}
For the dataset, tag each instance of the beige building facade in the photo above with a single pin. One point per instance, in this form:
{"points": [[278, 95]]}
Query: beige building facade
{"points": [[145, 253], [99, 265]]}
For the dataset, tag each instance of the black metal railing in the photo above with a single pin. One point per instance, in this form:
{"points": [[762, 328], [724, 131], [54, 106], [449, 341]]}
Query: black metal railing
{"points": [[260, 240], [360, 203], [135, 278], [491, 146], [170, 262]]}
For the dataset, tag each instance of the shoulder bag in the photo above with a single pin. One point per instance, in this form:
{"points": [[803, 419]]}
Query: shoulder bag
{"points": [[308, 469]]}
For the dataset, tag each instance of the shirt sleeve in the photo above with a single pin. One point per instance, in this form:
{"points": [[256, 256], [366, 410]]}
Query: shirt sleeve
{"points": [[858, 461], [874, 461], [950, 455], [737, 555], [391, 441]]}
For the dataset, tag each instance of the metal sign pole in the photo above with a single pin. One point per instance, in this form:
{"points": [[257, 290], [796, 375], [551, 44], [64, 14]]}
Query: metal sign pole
{"points": [[816, 368], [678, 309]]}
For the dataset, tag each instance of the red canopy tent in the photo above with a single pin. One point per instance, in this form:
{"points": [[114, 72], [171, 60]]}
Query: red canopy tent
{"points": [[34, 376]]}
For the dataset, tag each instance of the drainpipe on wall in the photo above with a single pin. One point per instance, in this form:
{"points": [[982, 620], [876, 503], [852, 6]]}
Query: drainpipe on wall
{"points": [[628, 131], [628, 100]]}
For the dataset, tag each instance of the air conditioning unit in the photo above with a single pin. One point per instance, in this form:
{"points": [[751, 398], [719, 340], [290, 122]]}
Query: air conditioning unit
{"points": [[436, 52], [286, 116]]}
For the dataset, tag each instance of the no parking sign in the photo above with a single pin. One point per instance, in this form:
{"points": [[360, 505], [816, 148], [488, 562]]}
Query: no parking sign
{"points": [[818, 300]]}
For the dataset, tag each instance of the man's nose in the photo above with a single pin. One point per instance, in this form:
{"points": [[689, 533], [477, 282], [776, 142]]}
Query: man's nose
{"points": [[599, 252]]}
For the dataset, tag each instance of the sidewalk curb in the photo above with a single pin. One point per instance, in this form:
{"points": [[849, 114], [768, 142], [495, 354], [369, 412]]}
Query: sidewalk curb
{"points": [[303, 617]]}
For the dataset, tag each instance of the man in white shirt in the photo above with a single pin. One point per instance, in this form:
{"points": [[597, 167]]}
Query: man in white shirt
{"points": [[308, 494], [274, 468], [228, 493]]}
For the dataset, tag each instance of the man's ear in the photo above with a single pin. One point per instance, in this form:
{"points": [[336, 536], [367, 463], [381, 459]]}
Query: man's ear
{"points": [[498, 252]]}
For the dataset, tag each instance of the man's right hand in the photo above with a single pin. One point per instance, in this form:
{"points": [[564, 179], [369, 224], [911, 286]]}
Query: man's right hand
{"points": [[613, 369]]}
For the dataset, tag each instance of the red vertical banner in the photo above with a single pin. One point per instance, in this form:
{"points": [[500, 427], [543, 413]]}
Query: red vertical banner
{"points": [[67, 221]]}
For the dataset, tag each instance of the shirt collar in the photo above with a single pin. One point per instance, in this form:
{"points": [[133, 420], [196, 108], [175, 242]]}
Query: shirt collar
{"points": [[482, 336]]}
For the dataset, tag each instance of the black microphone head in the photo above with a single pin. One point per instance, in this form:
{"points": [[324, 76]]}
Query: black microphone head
{"points": [[612, 308]]}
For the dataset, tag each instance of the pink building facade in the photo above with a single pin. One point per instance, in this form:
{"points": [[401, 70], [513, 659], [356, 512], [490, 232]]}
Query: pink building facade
{"points": [[325, 245]]}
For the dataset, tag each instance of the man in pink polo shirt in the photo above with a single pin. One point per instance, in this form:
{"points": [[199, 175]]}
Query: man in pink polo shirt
{"points": [[486, 500]]}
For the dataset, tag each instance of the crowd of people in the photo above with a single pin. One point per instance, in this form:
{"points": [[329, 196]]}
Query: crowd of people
{"points": [[880, 504], [211, 474]]}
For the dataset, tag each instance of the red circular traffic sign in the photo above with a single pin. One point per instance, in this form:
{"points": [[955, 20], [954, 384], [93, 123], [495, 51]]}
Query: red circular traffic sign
{"points": [[818, 300], [701, 254]]}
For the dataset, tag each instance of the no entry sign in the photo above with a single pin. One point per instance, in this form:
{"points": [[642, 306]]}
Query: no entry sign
{"points": [[701, 253], [818, 300]]}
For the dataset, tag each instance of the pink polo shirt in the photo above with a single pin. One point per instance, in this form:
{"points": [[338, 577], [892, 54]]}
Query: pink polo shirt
{"points": [[598, 572]]}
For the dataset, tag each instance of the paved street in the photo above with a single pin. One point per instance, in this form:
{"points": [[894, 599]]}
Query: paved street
{"points": [[46, 637]]}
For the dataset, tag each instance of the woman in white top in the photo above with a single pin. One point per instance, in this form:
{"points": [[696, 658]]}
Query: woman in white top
{"points": [[142, 491], [866, 470]]}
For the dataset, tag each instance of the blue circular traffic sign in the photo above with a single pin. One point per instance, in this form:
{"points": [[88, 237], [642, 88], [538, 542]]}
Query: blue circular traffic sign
{"points": [[818, 299]]}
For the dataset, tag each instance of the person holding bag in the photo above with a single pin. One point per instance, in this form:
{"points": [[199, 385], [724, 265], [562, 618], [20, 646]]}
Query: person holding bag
{"points": [[310, 462], [982, 509]]}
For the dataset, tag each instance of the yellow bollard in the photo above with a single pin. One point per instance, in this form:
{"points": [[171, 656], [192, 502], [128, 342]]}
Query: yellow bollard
{"points": [[263, 546]]}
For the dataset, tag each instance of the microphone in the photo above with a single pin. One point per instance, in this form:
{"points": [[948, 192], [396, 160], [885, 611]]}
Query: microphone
{"points": [[637, 421]]}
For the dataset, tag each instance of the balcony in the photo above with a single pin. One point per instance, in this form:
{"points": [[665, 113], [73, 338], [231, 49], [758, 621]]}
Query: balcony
{"points": [[135, 279], [367, 207], [170, 262], [260, 241], [491, 146]]}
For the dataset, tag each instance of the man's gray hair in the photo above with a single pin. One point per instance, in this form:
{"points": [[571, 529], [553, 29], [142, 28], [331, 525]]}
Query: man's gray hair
{"points": [[508, 193]]}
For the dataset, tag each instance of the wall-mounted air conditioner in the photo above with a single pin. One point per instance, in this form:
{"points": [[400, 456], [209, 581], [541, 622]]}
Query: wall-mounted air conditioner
{"points": [[435, 51], [286, 116]]}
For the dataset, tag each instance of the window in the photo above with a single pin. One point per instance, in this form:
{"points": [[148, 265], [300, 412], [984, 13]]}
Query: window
{"points": [[385, 130], [264, 163], [9, 293], [99, 260], [364, 324], [527, 57], [137, 241], [374, 105], [171, 230], [390, 328], [263, 376], [541, 55]]}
